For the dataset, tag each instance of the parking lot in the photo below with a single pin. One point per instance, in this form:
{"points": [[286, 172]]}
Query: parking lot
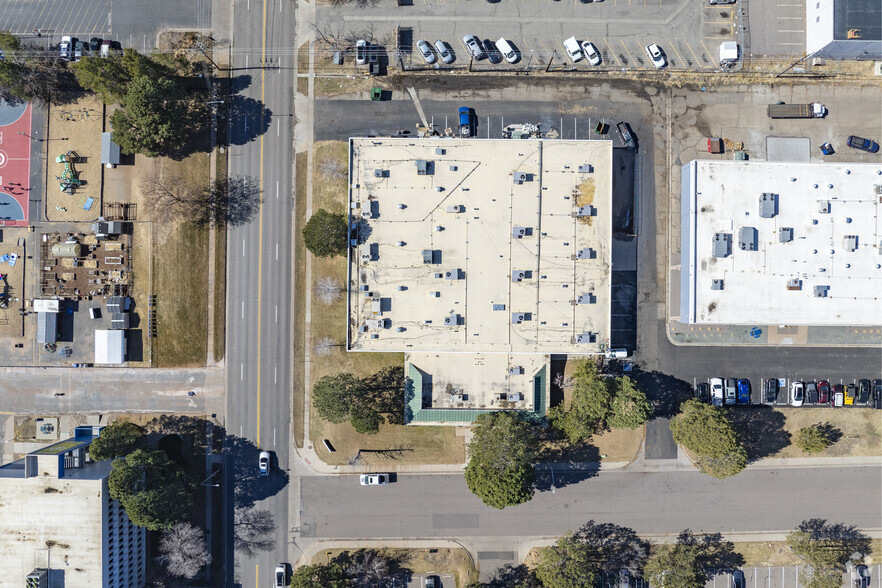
{"points": [[131, 22], [784, 387], [689, 33]]}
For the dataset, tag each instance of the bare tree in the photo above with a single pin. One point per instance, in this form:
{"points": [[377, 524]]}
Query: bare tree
{"points": [[184, 550], [324, 346], [368, 568], [251, 530], [332, 169], [563, 382], [234, 201], [328, 289], [339, 37]]}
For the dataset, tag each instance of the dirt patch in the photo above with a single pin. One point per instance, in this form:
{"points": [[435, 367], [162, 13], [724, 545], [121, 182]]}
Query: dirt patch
{"points": [[613, 446], [350, 84], [457, 562], [778, 553], [861, 430], [73, 190]]}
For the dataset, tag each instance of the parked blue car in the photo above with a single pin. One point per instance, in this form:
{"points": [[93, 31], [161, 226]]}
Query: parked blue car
{"points": [[743, 387]]}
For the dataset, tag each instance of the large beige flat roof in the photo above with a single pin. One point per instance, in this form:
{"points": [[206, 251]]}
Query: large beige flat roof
{"points": [[500, 246]]}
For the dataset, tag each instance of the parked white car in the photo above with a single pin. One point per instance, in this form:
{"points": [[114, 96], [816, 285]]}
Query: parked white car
{"points": [[656, 56], [444, 51], [573, 49], [373, 479], [716, 386], [797, 394], [474, 47], [426, 51], [361, 52], [64, 48], [591, 53]]}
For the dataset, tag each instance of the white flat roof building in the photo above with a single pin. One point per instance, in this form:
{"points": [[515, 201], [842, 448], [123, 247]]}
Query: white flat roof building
{"points": [[480, 245], [781, 243], [110, 346]]}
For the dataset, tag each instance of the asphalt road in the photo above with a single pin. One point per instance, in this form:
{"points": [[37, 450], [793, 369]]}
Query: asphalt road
{"points": [[258, 356], [756, 500]]}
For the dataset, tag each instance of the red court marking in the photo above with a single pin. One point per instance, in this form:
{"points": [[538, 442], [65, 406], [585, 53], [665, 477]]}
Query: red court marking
{"points": [[15, 164]]}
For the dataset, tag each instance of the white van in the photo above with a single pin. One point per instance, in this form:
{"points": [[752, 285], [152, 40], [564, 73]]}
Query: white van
{"points": [[507, 50], [574, 50]]}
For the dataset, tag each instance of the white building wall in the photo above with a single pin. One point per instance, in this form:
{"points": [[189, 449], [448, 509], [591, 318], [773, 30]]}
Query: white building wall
{"points": [[818, 24]]}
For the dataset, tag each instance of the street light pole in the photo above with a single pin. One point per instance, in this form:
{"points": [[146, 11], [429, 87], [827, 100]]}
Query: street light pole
{"points": [[552, 479]]}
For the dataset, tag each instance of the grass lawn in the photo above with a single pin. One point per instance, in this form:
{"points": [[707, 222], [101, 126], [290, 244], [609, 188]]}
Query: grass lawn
{"points": [[772, 432], [300, 254], [180, 275], [220, 274], [422, 561], [777, 553], [420, 444]]}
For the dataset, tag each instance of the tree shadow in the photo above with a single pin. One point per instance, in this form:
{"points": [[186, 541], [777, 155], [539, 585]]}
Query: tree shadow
{"points": [[713, 553], [241, 457], [386, 390], [240, 83], [761, 430], [847, 540], [665, 392], [832, 433], [235, 201], [248, 119], [616, 547], [561, 468], [252, 530], [509, 576]]}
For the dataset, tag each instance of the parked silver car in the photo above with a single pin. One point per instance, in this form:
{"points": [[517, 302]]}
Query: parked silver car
{"points": [[426, 51], [444, 51], [474, 47]]}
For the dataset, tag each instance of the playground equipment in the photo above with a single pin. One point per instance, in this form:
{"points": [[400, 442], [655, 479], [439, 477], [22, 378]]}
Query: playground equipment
{"points": [[69, 177]]}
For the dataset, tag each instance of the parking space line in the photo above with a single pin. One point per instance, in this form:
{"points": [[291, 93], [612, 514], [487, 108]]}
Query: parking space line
{"points": [[90, 22], [677, 52], [38, 22], [711, 55], [697, 60], [544, 47], [78, 24], [631, 57]]}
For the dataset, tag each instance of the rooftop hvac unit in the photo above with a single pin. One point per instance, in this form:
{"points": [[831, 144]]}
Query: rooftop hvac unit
{"points": [[722, 244], [586, 253], [587, 298], [850, 242], [399, 329], [424, 168], [434, 294], [785, 234], [717, 284], [515, 371], [821, 291], [794, 284], [516, 397], [518, 232], [747, 237], [518, 275], [453, 274], [498, 307], [824, 206], [586, 338], [440, 151], [379, 173], [768, 205], [586, 168], [401, 288], [519, 317], [451, 320], [586, 210], [456, 208], [438, 274], [375, 336], [376, 306], [439, 188], [519, 177]]}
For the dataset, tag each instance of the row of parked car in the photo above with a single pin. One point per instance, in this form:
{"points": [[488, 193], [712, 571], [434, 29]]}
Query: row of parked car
{"points": [[72, 49], [734, 391]]}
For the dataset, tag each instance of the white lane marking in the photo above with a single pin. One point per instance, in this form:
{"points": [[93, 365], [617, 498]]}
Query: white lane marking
{"points": [[240, 431], [243, 309], [243, 247], [241, 371], [274, 437], [277, 190], [277, 252], [275, 375], [277, 313], [278, 127]]}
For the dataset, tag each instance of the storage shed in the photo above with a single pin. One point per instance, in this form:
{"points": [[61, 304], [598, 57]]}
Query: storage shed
{"points": [[109, 150], [110, 347]]}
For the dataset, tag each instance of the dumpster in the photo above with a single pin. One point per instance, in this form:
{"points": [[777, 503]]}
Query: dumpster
{"points": [[601, 128], [376, 94]]}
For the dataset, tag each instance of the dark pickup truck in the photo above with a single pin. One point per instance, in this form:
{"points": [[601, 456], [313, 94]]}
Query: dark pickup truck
{"points": [[867, 145], [627, 137]]}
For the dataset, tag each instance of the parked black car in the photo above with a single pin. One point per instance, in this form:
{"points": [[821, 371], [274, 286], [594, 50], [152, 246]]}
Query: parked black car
{"points": [[770, 390], [702, 392], [863, 395], [877, 394]]}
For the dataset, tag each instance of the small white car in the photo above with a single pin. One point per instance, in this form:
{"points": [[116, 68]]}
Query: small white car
{"points": [[444, 51], [264, 463], [373, 479], [716, 386], [280, 576], [656, 56], [573, 49], [105, 48], [360, 52], [426, 51], [474, 46], [64, 48], [797, 394], [591, 53]]}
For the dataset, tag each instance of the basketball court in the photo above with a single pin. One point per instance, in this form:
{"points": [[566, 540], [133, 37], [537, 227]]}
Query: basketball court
{"points": [[15, 163]]}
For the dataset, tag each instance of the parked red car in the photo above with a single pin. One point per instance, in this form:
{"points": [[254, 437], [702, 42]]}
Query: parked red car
{"points": [[823, 392]]}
